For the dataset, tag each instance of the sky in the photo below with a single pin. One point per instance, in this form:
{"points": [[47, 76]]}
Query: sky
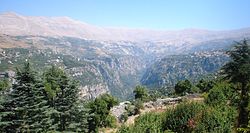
{"points": [[146, 14]]}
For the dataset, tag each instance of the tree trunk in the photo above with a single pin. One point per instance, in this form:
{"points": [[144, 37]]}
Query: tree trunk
{"points": [[243, 108]]}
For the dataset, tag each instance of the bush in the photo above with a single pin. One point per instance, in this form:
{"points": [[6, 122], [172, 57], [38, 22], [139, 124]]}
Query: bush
{"points": [[124, 117], [205, 86], [123, 129], [181, 119], [110, 121], [100, 110], [217, 120], [141, 93], [147, 123], [184, 86], [185, 118], [216, 97], [130, 110], [197, 117], [138, 105]]}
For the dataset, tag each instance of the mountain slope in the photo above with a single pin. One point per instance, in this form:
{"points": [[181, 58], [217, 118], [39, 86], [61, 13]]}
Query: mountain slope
{"points": [[112, 60], [14, 24], [171, 69]]}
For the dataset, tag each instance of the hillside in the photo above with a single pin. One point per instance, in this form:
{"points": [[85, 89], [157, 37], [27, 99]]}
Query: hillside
{"points": [[170, 69], [112, 60]]}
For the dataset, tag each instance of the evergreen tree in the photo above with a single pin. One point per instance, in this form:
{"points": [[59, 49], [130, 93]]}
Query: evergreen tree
{"points": [[26, 105], [238, 71], [79, 117], [4, 113], [62, 93]]}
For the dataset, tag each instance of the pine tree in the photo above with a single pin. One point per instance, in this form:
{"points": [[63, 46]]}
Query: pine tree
{"points": [[238, 71], [79, 117], [26, 104], [4, 113], [62, 93]]}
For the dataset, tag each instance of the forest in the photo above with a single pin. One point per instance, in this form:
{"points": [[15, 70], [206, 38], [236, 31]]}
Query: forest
{"points": [[49, 101]]}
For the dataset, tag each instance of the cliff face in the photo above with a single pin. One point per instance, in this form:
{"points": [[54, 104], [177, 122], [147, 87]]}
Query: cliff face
{"points": [[169, 70], [100, 67]]}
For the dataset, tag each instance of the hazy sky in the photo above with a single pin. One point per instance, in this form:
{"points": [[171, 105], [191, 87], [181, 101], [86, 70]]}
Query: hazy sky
{"points": [[152, 14]]}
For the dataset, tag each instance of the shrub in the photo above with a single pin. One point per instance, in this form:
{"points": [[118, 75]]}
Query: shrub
{"points": [[205, 86], [124, 117], [197, 117], [130, 110], [183, 87], [123, 129], [215, 97], [141, 93], [138, 105], [110, 121], [181, 119], [147, 123], [216, 120], [100, 110]]}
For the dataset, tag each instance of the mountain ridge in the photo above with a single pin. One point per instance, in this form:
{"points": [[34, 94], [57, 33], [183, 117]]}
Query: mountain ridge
{"points": [[15, 24]]}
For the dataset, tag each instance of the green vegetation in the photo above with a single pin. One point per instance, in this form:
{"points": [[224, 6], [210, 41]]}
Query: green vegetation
{"points": [[32, 107], [238, 71], [185, 118], [4, 84], [49, 102], [148, 123], [205, 85], [216, 97], [218, 113], [100, 112], [141, 93], [183, 87]]}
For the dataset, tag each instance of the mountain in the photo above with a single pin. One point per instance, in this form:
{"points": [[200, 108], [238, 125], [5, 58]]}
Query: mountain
{"points": [[171, 69], [15, 24], [112, 60]]}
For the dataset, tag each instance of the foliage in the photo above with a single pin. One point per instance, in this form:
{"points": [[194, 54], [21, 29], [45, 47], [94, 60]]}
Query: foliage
{"points": [[26, 107], [154, 94], [62, 94], [141, 93], [110, 121], [124, 117], [183, 87], [123, 129], [238, 71], [196, 117], [216, 120], [100, 110], [147, 123], [205, 85], [138, 106], [4, 84], [216, 97], [130, 110], [79, 116], [30, 107]]}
